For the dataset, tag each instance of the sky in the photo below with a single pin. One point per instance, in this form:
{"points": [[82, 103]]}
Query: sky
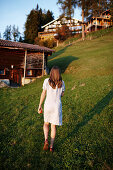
{"points": [[14, 12]]}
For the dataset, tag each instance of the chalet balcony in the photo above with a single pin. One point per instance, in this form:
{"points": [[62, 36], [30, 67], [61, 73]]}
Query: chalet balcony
{"points": [[50, 31], [101, 24]]}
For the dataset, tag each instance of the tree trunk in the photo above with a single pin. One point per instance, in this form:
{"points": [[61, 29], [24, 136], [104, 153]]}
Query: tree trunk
{"points": [[83, 35], [99, 8], [70, 31]]}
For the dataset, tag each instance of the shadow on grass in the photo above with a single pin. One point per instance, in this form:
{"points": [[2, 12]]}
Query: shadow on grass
{"points": [[57, 53], [96, 110], [62, 62]]}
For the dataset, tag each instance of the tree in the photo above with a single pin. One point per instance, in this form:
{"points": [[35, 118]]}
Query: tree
{"points": [[31, 26], [35, 20], [62, 33], [110, 6], [111, 9], [40, 19], [15, 33], [48, 16], [85, 6], [88, 7], [7, 33], [20, 39], [67, 7], [98, 6]]}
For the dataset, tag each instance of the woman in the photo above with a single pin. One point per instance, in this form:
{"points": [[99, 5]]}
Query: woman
{"points": [[53, 89]]}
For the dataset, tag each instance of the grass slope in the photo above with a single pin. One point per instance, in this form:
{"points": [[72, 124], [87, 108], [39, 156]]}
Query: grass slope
{"points": [[85, 139]]}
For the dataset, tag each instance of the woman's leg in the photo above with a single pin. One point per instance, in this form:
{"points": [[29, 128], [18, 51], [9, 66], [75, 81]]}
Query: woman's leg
{"points": [[46, 131], [53, 134]]}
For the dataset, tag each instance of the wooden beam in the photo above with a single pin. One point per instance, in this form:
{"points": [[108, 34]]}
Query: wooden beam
{"points": [[25, 65], [43, 65], [12, 48]]}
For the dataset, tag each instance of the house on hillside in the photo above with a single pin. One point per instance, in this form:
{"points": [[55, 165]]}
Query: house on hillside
{"points": [[50, 29], [21, 63], [99, 22]]}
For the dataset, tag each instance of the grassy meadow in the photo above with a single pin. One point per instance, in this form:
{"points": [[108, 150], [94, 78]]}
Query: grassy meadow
{"points": [[84, 141]]}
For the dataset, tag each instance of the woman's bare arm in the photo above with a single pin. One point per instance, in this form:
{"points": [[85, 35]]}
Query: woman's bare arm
{"points": [[62, 94], [42, 97]]}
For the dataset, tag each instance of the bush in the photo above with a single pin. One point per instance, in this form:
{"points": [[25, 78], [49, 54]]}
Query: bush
{"points": [[50, 43], [63, 33]]}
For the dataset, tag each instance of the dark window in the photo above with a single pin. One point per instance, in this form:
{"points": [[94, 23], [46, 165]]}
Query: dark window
{"points": [[29, 72], [2, 71]]}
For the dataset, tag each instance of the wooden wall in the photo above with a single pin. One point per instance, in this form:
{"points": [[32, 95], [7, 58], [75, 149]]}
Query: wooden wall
{"points": [[34, 60], [10, 57], [16, 57]]}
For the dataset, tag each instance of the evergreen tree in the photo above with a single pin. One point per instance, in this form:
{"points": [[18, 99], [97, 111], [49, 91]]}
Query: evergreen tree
{"points": [[15, 33], [20, 39], [34, 21], [31, 26], [49, 16], [7, 33], [40, 19]]}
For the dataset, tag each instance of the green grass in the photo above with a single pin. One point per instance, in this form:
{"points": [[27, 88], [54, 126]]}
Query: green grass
{"points": [[72, 39], [84, 141], [99, 33]]}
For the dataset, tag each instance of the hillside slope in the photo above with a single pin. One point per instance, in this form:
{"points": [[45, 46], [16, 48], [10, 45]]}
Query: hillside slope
{"points": [[86, 58], [85, 139]]}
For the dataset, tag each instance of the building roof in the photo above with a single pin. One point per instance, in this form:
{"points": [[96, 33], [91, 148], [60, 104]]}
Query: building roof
{"points": [[107, 11], [6, 43], [97, 16], [50, 22], [58, 19]]}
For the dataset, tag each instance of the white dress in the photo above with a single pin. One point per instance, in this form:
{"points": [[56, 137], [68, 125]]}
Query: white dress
{"points": [[53, 104]]}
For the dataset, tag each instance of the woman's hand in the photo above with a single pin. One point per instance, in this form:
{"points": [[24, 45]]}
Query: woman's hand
{"points": [[43, 94], [40, 109], [62, 94]]}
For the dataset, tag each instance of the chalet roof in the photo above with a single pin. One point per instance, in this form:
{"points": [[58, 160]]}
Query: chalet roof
{"points": [[97, 16], [107, 11], [56, 20], [6, 43], [50, 22]]}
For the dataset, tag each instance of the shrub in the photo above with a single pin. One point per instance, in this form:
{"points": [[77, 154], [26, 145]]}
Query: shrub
{"points": [[50, 43], [63, 33]]}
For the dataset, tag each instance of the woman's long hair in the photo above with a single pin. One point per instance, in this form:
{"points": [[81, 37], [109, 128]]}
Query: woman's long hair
{"points": [[55, 78]]}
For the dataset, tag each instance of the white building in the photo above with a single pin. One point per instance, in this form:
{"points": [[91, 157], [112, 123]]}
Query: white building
{"points": [[50, 29]]}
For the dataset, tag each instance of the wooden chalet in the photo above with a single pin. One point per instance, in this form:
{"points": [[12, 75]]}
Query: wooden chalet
{"points": [[50, 29], [99, 22], [21, 63]]}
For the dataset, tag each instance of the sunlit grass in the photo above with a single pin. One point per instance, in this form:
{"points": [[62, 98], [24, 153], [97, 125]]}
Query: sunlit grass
{"points": [[85, 139]]}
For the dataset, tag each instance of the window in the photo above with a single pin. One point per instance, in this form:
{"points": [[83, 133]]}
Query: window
{"points": [[2, 71], [29, 72]]}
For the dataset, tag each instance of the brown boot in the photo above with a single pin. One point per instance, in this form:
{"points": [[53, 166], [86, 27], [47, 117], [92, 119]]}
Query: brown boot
{"points": [[46, 145], [51, 149]]}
